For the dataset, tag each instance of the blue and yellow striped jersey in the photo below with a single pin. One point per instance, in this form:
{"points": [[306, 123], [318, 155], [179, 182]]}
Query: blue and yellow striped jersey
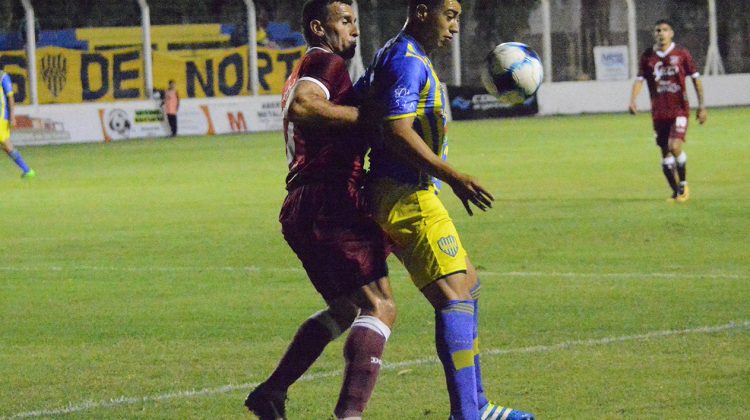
{"points": [[402, 79]]}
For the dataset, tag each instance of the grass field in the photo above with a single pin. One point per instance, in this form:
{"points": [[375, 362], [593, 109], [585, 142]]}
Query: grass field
{"points": [[148, 279]]}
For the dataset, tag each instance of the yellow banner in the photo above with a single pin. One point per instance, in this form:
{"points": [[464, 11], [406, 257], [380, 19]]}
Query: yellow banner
{"points": [[72, 76], [221, 73]]}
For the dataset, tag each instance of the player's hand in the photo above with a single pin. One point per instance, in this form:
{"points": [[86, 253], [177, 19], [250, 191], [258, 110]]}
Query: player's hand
{"points": [[633, 109], [468, 190], [702, 115]]}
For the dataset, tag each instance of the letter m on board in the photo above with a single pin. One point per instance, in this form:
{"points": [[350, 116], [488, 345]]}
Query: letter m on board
{"points": [[237, 121]]}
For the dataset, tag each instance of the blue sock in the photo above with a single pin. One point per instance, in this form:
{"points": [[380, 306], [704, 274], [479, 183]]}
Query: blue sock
{"points": [[16, 156], [481, 399], [454, 327]]}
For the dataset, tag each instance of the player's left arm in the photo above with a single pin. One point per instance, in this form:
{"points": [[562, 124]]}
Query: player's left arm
{"points": [[7, 89], [691, 69], [401, 138], [701, 114]]}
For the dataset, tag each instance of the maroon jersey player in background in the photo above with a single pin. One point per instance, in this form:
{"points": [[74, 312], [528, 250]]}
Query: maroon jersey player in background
{"points": [[665, 67], [342, 250]]}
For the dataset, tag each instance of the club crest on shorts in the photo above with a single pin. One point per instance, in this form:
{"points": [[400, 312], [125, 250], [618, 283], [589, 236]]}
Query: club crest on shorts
{"points": [[449, 245]]}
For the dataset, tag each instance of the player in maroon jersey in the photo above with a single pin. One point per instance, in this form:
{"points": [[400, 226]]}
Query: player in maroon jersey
{"points": [[342, 250], [664, 67]]}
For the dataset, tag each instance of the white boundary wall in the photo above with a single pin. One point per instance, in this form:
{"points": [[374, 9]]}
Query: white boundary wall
{"points": [[592, 96], [104, 122]]}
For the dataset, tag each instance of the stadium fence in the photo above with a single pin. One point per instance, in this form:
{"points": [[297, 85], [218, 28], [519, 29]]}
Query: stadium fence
{"points": [[110, 51]]}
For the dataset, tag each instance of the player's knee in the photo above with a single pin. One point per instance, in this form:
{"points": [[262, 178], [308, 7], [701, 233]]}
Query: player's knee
{"points": [[337, 318], [386, 311], [325, 319], [373, 323], [382, 308], [446, 289], [472, 279]]}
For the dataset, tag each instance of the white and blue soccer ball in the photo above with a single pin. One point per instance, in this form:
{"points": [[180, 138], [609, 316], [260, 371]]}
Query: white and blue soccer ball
{"points": [[512, 72]]}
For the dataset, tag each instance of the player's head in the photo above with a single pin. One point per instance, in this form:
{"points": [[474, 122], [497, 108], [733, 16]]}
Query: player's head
{"points": [[663, 32], [433, 22], [331, 24], [171, 84]]}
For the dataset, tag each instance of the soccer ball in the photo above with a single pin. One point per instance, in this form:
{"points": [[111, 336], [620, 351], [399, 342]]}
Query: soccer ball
{"points": [[512, 72]]}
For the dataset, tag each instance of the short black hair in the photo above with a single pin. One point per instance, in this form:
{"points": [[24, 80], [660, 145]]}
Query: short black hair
{"points": [[316, 10], [664, 21], [431, 4]]}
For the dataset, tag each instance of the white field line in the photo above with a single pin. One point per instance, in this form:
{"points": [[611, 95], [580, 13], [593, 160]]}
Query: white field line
{"points": [[115, 402], [255, 269]]}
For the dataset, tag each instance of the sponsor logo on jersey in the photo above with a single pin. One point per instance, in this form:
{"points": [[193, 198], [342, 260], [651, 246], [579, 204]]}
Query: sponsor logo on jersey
{"points": [[661, 71], [665, 86]]}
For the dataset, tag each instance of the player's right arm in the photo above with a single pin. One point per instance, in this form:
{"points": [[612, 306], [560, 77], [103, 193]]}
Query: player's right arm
{"points": [[310, 106], [643, 70], [401, 138], [637, 86]]}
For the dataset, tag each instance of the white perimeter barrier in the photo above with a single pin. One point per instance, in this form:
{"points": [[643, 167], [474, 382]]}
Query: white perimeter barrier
{"points": [[105, 122], [592, 96]]}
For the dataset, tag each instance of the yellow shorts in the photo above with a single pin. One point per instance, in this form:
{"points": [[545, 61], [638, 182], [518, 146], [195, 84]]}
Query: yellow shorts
{"points": [[416, 220], [4, 130]]}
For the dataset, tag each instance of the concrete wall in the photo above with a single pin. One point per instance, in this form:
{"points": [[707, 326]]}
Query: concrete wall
{"points": [[593, 96], [104, 122]]}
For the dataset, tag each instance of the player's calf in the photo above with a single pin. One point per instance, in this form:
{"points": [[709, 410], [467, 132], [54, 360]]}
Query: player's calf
{"points": [[668, 168], [362, 351]]}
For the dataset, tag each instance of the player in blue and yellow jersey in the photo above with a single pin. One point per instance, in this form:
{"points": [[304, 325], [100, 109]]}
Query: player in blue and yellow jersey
{"points": [[7, 121], [403, 196]]}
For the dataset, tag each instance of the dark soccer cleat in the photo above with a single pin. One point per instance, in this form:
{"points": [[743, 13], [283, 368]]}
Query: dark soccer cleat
{"points": [[267, 404]]}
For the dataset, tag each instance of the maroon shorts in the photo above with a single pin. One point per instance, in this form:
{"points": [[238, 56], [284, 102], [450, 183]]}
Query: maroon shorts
{"points": [[340, 248], [670, 129]]}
